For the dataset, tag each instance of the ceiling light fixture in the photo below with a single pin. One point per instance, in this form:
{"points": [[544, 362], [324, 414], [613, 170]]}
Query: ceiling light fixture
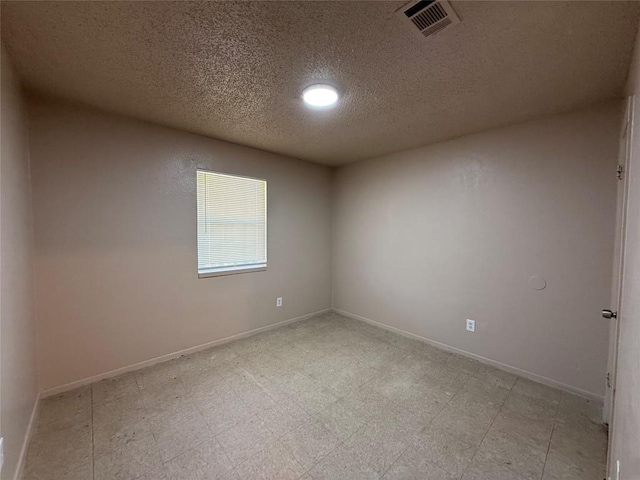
{"points": [[320, 96]]}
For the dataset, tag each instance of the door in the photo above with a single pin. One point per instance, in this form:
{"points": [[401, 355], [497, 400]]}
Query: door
{"points": [[616, 290]]}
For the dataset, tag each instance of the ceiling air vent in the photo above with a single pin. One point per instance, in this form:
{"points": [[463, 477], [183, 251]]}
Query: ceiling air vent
{"points": [[428, 17]]}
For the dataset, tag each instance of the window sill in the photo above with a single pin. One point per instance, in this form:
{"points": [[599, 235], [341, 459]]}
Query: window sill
{"points": [[218, 272]]}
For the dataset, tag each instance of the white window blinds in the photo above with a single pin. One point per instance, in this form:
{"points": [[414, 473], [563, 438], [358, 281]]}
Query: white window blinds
{"points": [[232, 223]]}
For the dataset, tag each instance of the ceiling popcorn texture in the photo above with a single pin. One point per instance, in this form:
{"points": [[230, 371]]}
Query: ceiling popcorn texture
{"points": [[235, 70]]}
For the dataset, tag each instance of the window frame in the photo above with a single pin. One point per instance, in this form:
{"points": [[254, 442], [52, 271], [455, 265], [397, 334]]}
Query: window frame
{"points": [[235, 270]]}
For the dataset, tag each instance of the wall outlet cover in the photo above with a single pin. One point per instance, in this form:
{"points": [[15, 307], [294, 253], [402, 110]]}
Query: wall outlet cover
{"points": [[471, 325], [279, 302]]}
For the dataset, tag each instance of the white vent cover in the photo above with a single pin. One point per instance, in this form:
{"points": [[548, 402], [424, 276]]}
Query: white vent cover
{"points": [[428, 17]]}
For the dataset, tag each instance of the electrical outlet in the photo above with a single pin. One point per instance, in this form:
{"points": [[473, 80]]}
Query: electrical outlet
{"points": [[471, 325], [279, 302]]}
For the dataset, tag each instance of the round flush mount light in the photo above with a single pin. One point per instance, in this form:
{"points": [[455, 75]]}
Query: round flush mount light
{"points": [[320, 96]]}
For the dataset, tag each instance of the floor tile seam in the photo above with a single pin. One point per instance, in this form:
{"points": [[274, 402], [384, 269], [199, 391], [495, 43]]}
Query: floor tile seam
{"points": [[342, 367], [186, 399], [340, 396], [313, 411], [38, 427], [518, 440], [293, 345], [458, 390], [161, 465], [338, 445], [281, 436], [485, 436], [153, 432], [531, 417], [486, 398], [587, 463], [163, 462], [215, 438], [160, 424], [114, 421], [224, 398], [155, 443], [258, 384], [539, 397], [253, 363], [531, 443], [255, 454], [115, 399], [497, 385], [286, 343], [205, 418], [519, 477], [147, 405], [116, 447], [443, 467], [440, 409], [553, 427], [278, 397], [429, 424], [302, 467], [460, 373], [362, 385], [278, 437], [475, 454], [288, 396], [315, 420], [396, 459], [306, 364]]}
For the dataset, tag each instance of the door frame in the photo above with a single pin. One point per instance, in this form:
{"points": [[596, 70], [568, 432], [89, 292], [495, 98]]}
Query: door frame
{"points": [[618, 267]]}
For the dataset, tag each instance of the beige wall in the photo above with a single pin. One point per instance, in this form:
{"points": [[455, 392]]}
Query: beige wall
{"points": [[115, 224], [18, 384], [625, 442], [425, 239]]}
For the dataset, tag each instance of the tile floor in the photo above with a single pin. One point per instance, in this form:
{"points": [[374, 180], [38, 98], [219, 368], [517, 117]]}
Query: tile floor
{"points": [[327, 398]]}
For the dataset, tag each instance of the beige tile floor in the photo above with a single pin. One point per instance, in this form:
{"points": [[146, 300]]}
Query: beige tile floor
{"points": [[327, 398]]}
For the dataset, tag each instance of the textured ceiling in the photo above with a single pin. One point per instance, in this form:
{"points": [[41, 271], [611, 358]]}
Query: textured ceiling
{"points": [[235, 71]]}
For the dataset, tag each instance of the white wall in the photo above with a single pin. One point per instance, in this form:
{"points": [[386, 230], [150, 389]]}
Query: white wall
{"points": [[18, 384], [425, 239], [115, 224], [625, 444]]}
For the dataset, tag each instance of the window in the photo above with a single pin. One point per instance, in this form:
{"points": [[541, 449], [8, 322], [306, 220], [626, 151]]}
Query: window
{"points": [[232, 224]]}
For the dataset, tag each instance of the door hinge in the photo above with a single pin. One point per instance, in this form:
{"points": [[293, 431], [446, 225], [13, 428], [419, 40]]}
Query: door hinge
{"points": [[620, 172], [608, 379]]}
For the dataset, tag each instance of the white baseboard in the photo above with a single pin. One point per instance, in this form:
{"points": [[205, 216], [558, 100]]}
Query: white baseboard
{"points": [[27, 438], [487, 361], [171, 356]]}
